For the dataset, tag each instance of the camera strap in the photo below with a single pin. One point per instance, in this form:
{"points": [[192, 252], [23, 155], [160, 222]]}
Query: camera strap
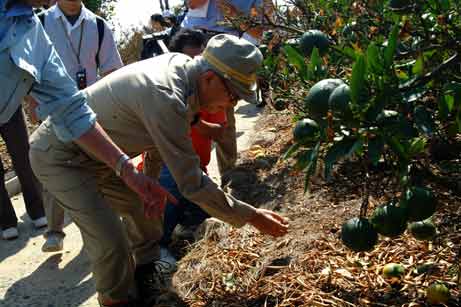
{"points": [[75, 51]]}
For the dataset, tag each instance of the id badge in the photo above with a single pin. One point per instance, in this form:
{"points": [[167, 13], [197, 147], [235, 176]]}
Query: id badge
{"points": [[81, 79]]}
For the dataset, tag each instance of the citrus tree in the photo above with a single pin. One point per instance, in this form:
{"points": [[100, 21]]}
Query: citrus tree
{"points": [[379, 81]]}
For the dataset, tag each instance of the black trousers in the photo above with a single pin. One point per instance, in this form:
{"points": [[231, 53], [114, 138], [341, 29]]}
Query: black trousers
{"points": [[14, 134]]}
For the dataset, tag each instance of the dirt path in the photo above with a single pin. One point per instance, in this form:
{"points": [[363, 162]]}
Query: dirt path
{"points": [[29, 277]]}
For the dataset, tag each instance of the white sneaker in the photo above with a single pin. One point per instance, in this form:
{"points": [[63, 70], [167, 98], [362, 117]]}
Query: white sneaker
{"points": [[54, 243], [167, 262], [40, 222], [10, 233]]}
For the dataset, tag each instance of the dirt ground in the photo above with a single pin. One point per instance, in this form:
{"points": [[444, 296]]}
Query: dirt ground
{"points": [[31, 278]]}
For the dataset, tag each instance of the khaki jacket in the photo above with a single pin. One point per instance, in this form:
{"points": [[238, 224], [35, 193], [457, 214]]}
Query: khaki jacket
{"points": [[148, 106]]}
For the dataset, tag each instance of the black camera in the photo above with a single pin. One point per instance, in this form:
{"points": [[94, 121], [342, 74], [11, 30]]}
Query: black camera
{"points": [[81, 79]]}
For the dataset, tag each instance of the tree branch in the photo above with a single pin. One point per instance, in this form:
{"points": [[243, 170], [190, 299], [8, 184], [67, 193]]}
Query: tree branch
{"points": [[430, 75]]}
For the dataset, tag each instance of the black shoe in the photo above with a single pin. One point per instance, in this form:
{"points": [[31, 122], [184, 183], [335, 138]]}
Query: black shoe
{"points": [[152, 281], [261, 103]]}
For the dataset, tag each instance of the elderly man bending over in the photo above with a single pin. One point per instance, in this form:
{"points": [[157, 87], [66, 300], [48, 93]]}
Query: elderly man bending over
{"points": [[149, 106]]}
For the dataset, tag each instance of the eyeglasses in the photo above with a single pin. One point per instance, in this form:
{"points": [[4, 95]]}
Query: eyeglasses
{"points": [[232, 95]]}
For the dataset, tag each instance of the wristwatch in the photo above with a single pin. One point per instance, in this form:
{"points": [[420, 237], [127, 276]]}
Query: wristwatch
{"points": [[119, 165]]}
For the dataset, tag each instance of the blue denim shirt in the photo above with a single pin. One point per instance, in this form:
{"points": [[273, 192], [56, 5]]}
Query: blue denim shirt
{"points": [[214, 15], [29, 63]]}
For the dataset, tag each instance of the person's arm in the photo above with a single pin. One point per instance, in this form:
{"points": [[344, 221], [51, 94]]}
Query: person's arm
{"points": [[210, 130], [153, 196]]}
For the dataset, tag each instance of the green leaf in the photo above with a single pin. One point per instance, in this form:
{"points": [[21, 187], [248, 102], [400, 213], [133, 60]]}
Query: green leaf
{"points": [[314, 68], [418, 67], [398, 148], [424, 121], [293, 148], [417, 146], [391, 47], [358, 78], [303, 159], [454, 88], [375, 149], [349, 52], [296, 59], [340, 149], [445, 104], [374, 59]]}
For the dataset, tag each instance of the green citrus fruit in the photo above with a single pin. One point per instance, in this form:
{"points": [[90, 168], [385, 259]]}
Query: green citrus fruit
{"points": [[305, 131], [393, 270], [389, 220], [311, 39], [280, 104], [316, 101], [359, 235], [419, 202], [437, 293], [423, 230], [339, 102]]}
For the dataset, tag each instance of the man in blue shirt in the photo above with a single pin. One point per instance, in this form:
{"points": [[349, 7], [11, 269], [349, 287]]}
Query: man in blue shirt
{"points": [[30, 64]]}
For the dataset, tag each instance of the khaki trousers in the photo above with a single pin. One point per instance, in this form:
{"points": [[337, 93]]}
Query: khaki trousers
{"points": [[95, 199], [54, 214], [226, 149]]}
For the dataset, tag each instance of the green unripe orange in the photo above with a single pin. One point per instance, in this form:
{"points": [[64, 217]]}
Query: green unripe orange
{"points": [[393, 270], [389, 220], [305, 131], [316, 101], [423, 230], [314, 38], [419, 202], [437, 293], [359, 235]]}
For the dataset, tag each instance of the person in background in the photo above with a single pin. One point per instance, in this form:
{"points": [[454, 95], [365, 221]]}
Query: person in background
{"points": [[88, 50], [158, 23], [14, 133], [206, 15], [29, 64]]}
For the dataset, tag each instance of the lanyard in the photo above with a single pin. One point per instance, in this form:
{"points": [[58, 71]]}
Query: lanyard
{"points": [[76, 52]]}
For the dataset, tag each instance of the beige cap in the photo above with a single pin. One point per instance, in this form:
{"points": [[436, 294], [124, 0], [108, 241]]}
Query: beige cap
{"points": [[236, 60]]}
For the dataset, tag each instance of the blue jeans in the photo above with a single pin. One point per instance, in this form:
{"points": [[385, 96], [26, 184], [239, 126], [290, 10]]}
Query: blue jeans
{"points": [[185, 212]]}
